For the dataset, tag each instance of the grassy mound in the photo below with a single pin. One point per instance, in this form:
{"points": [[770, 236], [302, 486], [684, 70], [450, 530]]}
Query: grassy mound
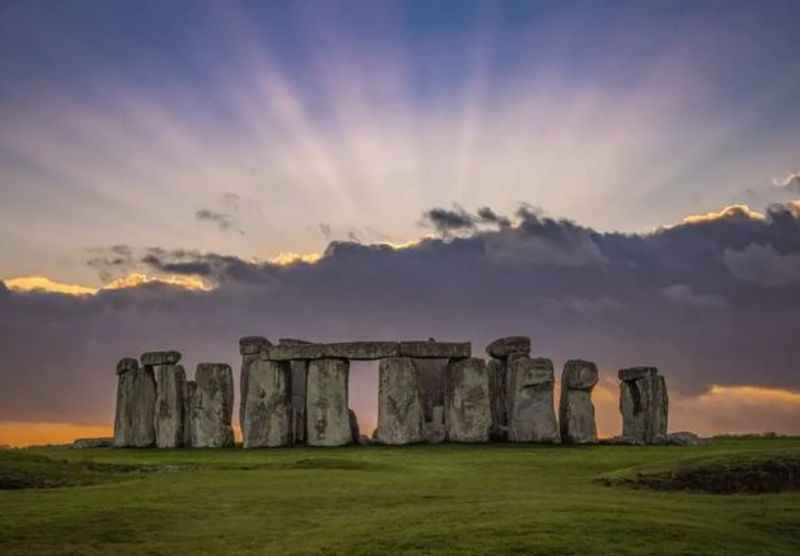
{"points": [[737, 473], [20, 470]]}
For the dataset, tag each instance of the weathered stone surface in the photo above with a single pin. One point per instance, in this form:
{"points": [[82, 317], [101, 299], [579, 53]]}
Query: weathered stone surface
{"points": [[468, 406], [498, 393], [136, 405], [644, 405], [579, 375], [299, 370], [435, 350], [268, 411], [531, 415], [576, 410], [249, 347], [435, 430], [252, 345], [212, 406], [635, 373], [155, 358], [127, 364], [355, 434], [170, 416], [327, 417], [88, 443], [189, 388], [401, 412], [343, 350], [503, 347]]}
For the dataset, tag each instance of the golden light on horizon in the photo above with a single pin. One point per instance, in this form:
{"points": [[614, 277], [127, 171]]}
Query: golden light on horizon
{"points": [[46, 285]]}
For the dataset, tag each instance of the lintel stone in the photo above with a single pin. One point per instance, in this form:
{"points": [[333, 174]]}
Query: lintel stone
{"points": [[155, 358], [635, 373]]}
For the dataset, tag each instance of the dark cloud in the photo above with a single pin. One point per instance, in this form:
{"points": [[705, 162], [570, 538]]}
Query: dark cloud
{"points": [[447, 221], [486, 214], [711, 301], [222, 220], [325, 230], [111, 262]]}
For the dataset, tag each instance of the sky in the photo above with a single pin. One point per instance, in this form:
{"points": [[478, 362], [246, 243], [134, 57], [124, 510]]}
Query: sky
{"points": [[618, 180]]}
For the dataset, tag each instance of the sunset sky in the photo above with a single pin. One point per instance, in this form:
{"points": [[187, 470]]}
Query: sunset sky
{"points": [[618, 180]]}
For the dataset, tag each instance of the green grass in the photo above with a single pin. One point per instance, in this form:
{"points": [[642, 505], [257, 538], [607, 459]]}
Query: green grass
{"points": [[447, 499]]}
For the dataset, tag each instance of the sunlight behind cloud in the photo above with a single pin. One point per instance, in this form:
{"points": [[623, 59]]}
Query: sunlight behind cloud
{"points": [[43, 284]]}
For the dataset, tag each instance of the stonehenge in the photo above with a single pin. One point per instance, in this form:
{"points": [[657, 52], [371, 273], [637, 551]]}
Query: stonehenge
{"points": [[295, 392], [136, 405], [268, 406], [468, 410], [401, 414], [502, 352], [170, 416], [644, 404], [531, 414], [212, 406], [327, 409], [576, 410]]}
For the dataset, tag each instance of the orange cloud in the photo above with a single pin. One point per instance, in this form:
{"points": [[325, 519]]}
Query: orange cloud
{"points": [[732, 211], [40, 283]]}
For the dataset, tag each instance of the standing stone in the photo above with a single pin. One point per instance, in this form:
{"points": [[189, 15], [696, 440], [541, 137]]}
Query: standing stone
{"points": [[212, 406], [169, 419], [189, 388], [136, 405], [502, 352], [327, 417], [249, 348], [355, 432], [576, 410], [468, 411], [401, 414], [644, 405], [299, 370], [268, 412], [435, 430], [531, 415]]}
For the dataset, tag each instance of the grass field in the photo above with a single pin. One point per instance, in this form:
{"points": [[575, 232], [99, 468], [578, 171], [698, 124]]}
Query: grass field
{"points": [[447, 499]]}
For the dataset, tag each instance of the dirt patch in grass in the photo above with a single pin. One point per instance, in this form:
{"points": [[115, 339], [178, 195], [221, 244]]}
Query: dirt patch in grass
{"points": [[732, 474]]}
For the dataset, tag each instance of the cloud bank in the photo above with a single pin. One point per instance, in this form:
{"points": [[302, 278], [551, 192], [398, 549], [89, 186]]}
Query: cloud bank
{"points": [[712, 301]]}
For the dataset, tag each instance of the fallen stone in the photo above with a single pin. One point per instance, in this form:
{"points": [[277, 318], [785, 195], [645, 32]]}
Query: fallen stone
{"points": [[88, 443], [189, 388], [249, 347], [252, 345], [268, 416], [155, 358], [468, 406], [435, 350], [503, 347], [686, 438], [212, 406], [576, 410], [170, 416], [644, 404], [354, 430], [135, 411], [401, 414], [127, 364], [327, 415], [531, 415], [346, 350]]}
